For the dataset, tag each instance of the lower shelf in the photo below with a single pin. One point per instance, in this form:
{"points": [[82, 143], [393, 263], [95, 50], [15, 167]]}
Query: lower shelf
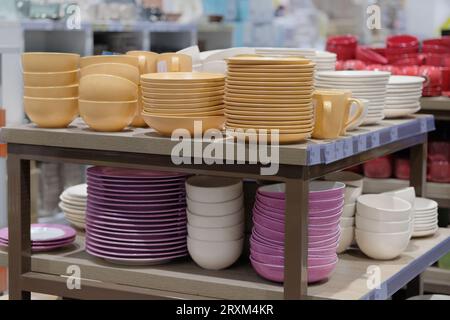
{"points": [[349, 282], [437, 281]]}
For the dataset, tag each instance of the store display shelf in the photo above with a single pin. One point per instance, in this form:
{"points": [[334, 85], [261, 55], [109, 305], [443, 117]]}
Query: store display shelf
{"points": [[439, 192], [313, 152], [437, 280], [184, 278], [438, 106]]}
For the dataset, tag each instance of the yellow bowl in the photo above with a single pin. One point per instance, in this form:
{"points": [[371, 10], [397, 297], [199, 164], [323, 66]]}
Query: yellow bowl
{"points": [[182, 104], [182, 86], [103, 87], [150, 109], [121, 58], [157, 96], [52, 92], [51, 112], [50, 79], [138, 121], [166, 124], [49, 61], [166, 90], [114, 69], [150, 59], [108, 116], [230, 98], [182, 77]]}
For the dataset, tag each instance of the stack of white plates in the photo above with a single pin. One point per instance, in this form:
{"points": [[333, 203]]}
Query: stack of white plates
{"points": [[368, 85], [403, 96], [73, 204], [325, 61], [287, 52], [425, 217]]}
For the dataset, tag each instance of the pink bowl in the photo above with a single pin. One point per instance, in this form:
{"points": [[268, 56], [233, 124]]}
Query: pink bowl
{"points": [[325, 213], [326, 205], [325, 190], [267, 221], [279, 260], [327, 227], [269, 234], [277, 212], [332, 241], [273, 203], [315, 220], [313, 231], [324, 237]]}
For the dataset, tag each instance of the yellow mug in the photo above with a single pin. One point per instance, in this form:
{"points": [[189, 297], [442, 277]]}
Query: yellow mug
{"points": [[332, 109], [148, 60], [174, 62]]}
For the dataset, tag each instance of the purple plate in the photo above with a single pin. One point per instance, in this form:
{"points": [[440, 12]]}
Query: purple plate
{"points": [[112, 252], [139, 225], [153, 214], [131, 173], [137, 207], [146, 230], [137, 196], [123, 189], [160, 198], [50, 232], [279, 260], [146, 245], [136, 234], [91, 182], [145, 219], [135, 250], [318, 190], [148, 210], [45, 243], [133, 181], [162, 241]]}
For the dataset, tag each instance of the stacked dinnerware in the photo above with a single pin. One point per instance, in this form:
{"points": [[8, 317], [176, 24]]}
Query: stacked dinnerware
{"points": [[135, 217], [73, 204], [180, 100], [109, 91], [383, 225], [265, 93], [368, 85], [215, 221], [326, 201], [403, 96], [325, 61], [353, 190], [45, 237], [425, 217], [51, 88]]}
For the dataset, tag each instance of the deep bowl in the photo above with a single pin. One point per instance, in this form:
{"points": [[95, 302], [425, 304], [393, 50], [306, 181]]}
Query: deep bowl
{"points": [[376, 226], [216, 234], [213, 189], [51, 92], [215, 209], [51, 112], [215, 222], [383, 208], [49, 61], [382, 246], [50, 79], [346, 240], [279, 260]]}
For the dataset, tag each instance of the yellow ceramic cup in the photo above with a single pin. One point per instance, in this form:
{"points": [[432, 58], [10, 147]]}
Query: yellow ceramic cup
{"points": [[174, 62], [150, 60], [332, 109]]}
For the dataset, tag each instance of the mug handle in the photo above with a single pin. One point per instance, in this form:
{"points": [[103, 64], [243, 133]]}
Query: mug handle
{"points": [[358, 114], [175, 64]]}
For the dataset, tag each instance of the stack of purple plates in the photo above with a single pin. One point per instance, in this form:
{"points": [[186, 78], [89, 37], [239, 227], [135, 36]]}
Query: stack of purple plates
{"points": [[45, 237], [326, 203], [135, 217]]}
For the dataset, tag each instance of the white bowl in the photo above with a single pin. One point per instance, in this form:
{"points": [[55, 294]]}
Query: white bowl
{"points": [[215, 209], [375, 226], [349, 178], [383, 208], [213, 189], [347, 222], [215, 255], [215, 222], [382, 246], [352, 194], [407, 194], [217, 234], [349, 210], [347, 236]]}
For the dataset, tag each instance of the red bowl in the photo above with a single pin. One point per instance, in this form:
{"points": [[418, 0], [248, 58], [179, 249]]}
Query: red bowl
{"points": [[402, 41], [402, 169], [433, 75], [344, 40], [354, 65], [380, 168], [445, 76], [439, 171], [369, 56]]}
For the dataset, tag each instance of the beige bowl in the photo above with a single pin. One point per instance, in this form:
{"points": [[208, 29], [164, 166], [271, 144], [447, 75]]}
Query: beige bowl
{"points": [[51, 92], [114, 69], [138, 121], [152, 95], [50, 79], [151, 109], [150, 60], [51, 112], [87, 61], [49, 62], [182, 86], [108, 116], [102, 87], [165, 125]]}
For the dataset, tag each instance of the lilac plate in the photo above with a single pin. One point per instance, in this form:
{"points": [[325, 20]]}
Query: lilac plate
{"points": [[112, 252], [139, 225], [159, 209], [136, 233], [135, 250], [147, 245], [46, 232], [131, 173], [160, 198], [139, 239], [135, 186], [44, 248], [137, 196], [133, 181], [137, 207], [123, 189], [46, 243], [144, 219], [153, 214], [121, 228]]}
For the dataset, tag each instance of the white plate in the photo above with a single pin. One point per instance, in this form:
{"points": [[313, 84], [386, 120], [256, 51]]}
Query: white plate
{"points": [[370, 121], [420, 234], [405, 80], [76, 192], [423, 204], [404, 106], [397, 113], [356, 74]]}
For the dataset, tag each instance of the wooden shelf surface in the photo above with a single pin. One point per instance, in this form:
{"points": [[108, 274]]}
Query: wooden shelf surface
{"points": [[349, 281]]}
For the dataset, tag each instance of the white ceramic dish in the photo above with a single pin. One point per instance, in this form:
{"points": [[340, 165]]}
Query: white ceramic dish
{"points": [[213, 189], [382, 246], [217, 234], [383, 208], [215, 209], [427, 233], [346, 240], [375, 226], [349, 210], [215, 222], [422, 204], [397, 113], [347, 222], [407, 194]]}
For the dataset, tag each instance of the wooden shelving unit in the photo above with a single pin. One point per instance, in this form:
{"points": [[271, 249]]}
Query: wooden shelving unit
{"points": [[144, 149]]}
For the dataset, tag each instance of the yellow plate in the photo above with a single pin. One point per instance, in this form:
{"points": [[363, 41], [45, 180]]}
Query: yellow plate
{"points": [[182, 86], [282, 131], [182, 77], [261, 111], [231, 74], [257, 80], [270, 119], [183, 104], [151, 109], [182, 91], [282, 138], [233, 95], [230, 98], [89, 60], [308, 66], [157, 96], [258, 60], [268, 90], [253, 71], [271, 106], [186, 114], [165, 125], [265, 123], [246, 84], [187, 101]]}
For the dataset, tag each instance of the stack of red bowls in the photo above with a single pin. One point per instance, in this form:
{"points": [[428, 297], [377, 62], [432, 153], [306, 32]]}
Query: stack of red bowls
{"points": [[370, 56], [326, 203], [343, 46], [439, 162], [433, 83], [438, 46], [402, 50]]}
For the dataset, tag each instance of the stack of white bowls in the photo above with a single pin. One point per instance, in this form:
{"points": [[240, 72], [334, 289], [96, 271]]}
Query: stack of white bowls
{"points": [[425, 217], [353, 190], [215, 221], [73, 204], [403, 96], [325, 61], [368, 85], [383, 226]]}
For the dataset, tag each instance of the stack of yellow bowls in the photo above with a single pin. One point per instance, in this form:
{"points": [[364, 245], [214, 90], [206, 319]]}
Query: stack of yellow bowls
{"points": [[109, 91], [177, 100], [269, 93], [51, 88]]}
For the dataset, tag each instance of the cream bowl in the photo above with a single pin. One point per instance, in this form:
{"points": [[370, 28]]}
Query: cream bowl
{"points": [[51, 92], [50, 79], [215, 222], [346, 177], [349, 210], [383, 208], [375, 226], [407, 194], [108, 116], [215, 255], [352, 194], [217, 234], [382, 246], [346, 240], [213, 189], [51, 112], [49, 61], [215, 209], [347, 222]]}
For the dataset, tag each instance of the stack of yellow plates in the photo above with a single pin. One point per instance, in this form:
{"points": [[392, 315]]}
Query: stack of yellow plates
{"points": [[177, 100], [266, 93]]}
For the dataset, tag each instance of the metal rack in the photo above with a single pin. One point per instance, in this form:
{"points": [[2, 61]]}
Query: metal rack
{"points": [[144, 149]]}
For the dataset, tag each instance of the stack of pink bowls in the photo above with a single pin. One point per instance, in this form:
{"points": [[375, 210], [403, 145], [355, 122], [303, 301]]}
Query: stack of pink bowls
{"points": [[326, 203]]}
